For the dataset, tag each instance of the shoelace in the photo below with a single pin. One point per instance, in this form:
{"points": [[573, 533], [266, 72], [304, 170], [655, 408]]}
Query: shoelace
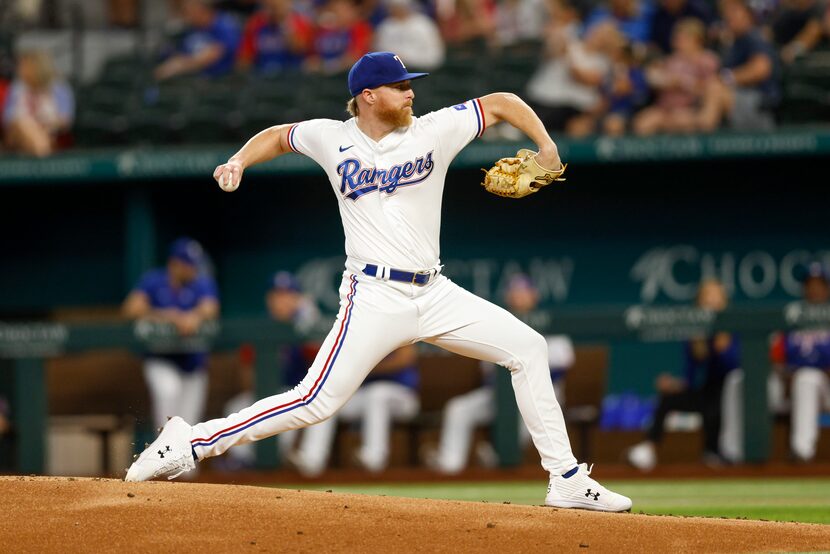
{"points": [[588, 469]]}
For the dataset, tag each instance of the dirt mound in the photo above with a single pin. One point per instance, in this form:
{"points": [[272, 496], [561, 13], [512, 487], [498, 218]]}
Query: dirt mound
{"points": [[56, 514]]}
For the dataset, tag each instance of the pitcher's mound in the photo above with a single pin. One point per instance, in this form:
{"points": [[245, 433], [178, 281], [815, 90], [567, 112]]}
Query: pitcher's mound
{"points": [[58, 514]]}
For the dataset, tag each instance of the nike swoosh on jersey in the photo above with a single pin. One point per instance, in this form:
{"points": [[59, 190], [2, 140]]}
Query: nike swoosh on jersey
{"points": [[342, 149]]}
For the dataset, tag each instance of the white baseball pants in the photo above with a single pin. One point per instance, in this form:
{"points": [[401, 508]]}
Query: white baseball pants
{"points": [[810, 394], [175, 392], [376, 406], [731, 439], [375, 318]]}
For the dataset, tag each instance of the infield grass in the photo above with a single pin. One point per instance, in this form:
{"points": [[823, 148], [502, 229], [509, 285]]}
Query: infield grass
{"points": [[804, 500]]}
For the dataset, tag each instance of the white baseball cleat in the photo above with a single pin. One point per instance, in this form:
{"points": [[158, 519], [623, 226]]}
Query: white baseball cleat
{"points": [[169, 455], [580, 491]]}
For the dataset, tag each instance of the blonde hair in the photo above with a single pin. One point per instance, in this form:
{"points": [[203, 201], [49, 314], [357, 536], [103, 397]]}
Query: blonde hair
{"points": [[44, 69], [692, 26], [711, 283], [352, 107]]}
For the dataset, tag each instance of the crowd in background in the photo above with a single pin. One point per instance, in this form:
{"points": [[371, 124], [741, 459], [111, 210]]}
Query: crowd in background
{"points": [[605, 66]]}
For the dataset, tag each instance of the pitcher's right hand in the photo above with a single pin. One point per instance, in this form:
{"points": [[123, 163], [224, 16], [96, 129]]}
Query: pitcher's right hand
{"points": [[228, 175]]}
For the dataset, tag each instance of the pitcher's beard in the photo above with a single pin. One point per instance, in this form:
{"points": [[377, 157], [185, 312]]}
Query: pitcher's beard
{"points": [[398, 117]]}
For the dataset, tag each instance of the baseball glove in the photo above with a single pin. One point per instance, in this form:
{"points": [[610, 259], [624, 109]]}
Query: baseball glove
{"points": [[519, 176]]}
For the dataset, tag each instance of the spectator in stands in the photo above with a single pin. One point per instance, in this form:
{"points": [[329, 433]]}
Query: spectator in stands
{"points": [[275, 39], [39, 107], [669, 12], [633, 18], [465, 22], [625, 91], [716, 356], [184, 295], [566, 89], [341, 37], [748, 91], [411, 35], [207, 46], [464, 413], [518, 21], [802, 357], [683, 83], [389, 393], [796, 27]]}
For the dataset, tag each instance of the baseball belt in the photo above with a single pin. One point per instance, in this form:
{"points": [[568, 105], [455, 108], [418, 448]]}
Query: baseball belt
{"points": [[418, 278]]}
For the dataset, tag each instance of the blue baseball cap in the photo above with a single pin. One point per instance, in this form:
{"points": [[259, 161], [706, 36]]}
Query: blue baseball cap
{"points": [[378, 68], [187, 250], [816, 270], [284, 280], [520, 281]]}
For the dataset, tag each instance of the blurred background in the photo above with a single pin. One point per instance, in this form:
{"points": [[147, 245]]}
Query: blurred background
{"points": [[680, 273]]}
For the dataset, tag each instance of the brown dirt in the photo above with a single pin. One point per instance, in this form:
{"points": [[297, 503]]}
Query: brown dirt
{"points": [[526, 472], [58, 514]]}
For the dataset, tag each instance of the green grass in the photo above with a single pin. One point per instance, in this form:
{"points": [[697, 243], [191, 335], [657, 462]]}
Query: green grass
{"points": [[805, 500]]}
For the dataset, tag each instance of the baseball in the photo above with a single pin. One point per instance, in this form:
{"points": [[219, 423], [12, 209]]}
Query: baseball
{"points": [[230, 186]]}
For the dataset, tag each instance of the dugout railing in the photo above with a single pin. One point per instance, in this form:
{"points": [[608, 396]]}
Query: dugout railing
{"points": [[25, 346]]}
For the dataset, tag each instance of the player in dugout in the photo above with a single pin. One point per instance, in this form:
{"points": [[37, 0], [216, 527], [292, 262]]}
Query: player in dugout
{"points": [[185, 295], [697, 391], [802, 358]]}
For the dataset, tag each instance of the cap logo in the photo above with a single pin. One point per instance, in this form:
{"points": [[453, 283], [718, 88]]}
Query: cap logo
{"points": [[401, 62]]}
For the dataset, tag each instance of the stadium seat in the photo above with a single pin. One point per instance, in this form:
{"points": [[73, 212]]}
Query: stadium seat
{"points": [[261, 116], [447, 90], [125, 71], [206, 125], [804, 103], [328, 108], [107, 99], [526, 49], [100, 129], [150, 126], [511, 69], [807, 90]]}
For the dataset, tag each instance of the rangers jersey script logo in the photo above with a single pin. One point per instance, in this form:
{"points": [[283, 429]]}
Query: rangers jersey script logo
{"points": [[356, 180]]}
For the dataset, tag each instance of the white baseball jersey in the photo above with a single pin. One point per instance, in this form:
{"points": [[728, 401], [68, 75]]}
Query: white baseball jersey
{"points": [[389, 192]]}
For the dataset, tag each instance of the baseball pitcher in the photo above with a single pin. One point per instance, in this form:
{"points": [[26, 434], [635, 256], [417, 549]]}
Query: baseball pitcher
{"points": [[387, 169]]}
